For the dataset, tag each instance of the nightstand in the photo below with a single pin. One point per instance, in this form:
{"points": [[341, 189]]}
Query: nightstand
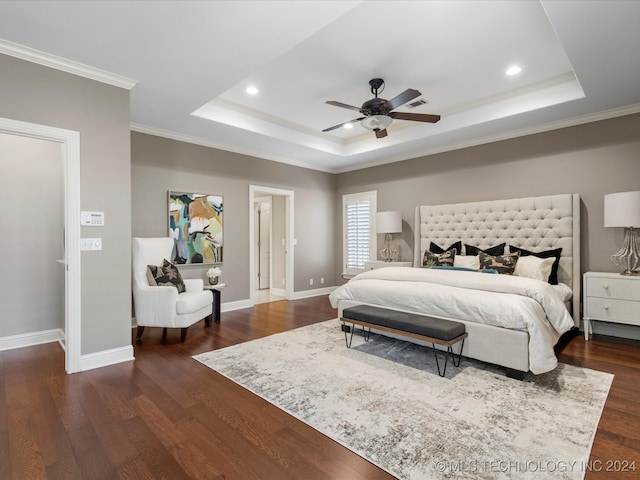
{"points": [[381, 264], [610, 297]]}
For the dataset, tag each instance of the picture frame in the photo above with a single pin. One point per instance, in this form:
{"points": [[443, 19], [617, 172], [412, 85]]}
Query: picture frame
{"points": [[196, 225]]}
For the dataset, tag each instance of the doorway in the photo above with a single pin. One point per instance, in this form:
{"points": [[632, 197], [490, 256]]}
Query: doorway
{"points": [[69, 142], [271, 236]]}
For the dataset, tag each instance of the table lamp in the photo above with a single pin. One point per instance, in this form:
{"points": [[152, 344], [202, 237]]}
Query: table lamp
{"points": [[623, 210], [388, 223]]}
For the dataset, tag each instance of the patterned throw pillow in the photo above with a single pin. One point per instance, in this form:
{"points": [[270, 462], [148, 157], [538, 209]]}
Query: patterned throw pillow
{"points": [[431, 259], [504, 264], [165, 275], [435, 248], [497, 250]]}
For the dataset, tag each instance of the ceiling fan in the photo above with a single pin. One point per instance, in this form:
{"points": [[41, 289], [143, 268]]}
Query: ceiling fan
{"points": [[378, 113]]}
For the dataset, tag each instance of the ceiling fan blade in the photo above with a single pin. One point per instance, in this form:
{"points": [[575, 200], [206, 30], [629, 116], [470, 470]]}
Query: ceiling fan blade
{"points": [[381, 133], [342, 105], [342, 124], [416, 117], [404, 97]]}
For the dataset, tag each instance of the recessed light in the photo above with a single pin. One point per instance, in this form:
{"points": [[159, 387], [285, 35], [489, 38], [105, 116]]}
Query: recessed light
{"points": [[514, 70], [348, 126], [252, 90]]}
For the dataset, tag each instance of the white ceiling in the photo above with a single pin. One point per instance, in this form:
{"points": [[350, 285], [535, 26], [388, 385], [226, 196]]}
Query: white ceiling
{"points": [[192, 61]]}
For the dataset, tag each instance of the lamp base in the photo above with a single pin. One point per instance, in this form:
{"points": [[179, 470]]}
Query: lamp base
{"points": [[628, 258], [387, 253]]}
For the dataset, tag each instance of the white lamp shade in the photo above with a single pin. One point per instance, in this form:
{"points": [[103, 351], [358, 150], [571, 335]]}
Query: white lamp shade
{"points": [[622, 209], [389, 222]]}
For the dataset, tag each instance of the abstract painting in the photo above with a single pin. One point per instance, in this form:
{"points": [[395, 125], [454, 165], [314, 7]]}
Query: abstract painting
{"points": [[195, 224]]}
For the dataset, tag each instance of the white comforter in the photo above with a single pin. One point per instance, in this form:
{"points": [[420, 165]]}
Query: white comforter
{"points": [[501, 300]]}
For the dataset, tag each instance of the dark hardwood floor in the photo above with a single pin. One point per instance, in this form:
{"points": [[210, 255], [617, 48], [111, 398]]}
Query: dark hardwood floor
{"points": [[167, 416]]}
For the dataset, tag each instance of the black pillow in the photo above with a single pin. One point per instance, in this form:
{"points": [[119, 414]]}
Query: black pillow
{"points": [[553, 277], [497, 250], [504, 264], [434, 248], [431, 259]]}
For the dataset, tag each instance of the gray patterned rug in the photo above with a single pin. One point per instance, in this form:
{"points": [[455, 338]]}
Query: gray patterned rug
{"points": [[385, 401]]}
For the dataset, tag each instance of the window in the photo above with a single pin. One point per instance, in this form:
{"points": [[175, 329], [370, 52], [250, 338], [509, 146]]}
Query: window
{"points": [[359, 230]]}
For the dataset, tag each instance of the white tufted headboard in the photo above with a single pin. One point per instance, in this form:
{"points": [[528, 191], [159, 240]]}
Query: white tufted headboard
{"points": [[534, 223]]}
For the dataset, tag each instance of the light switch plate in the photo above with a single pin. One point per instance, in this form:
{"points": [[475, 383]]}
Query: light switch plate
{"points": [[90, 244]]}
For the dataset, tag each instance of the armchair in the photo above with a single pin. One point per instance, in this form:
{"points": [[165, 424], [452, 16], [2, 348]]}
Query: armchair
{"points": [[163, 306]]}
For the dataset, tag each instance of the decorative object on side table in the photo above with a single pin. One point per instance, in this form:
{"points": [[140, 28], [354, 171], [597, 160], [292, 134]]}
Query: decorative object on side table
{"points": [[623, 210], [214, 274], [388, 223]]}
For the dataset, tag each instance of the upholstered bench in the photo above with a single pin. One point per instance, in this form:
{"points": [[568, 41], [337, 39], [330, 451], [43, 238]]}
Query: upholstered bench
{"points": [[433, 330]]}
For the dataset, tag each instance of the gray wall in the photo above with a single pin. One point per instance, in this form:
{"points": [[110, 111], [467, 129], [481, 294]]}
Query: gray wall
{"points": [[160, 164], [592, 160], [32, 283], [37, 94]]}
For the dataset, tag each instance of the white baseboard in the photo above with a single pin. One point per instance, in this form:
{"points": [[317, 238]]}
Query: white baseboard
{"points": [[312, 293], [32, 338], [106, 358], [279, 291], [237, 305]]}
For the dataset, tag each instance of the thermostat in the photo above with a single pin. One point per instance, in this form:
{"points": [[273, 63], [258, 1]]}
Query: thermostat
{"points": [[92, 219]]}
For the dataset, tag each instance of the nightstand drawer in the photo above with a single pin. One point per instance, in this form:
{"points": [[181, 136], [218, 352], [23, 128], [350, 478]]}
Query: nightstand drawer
{"points": [[611, 310], [616, 288]]}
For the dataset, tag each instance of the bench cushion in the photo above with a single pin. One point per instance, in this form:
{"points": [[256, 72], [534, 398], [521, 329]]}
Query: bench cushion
{"points": [[406, 322]]}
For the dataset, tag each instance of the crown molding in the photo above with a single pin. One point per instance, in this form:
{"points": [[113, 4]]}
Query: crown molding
{"points": [[523, 132], [137, 127], [52, 61]]}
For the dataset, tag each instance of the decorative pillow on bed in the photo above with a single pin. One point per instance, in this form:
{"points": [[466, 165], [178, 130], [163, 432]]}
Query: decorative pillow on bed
{"points": [[431, 259], [467, 261], [165, 275], [504, 264], [553, 277], [533, 267], [435, 248], [497, 250]]}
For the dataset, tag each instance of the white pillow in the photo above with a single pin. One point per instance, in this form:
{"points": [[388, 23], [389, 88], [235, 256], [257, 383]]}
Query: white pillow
{"points": [[534, 267], [467, 261]]}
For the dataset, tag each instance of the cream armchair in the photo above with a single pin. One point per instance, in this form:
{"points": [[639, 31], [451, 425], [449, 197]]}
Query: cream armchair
{"points": [[163, 306]]}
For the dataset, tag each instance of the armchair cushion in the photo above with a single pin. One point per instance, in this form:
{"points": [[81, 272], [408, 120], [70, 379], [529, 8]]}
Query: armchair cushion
{"points": [[165, 275], [189, 302]]}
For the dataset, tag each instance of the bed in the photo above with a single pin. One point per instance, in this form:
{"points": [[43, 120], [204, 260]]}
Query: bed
{"points": [[512, 321]]}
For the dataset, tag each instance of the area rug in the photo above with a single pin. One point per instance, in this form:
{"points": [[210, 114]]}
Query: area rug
{"points": [[385, 401]]}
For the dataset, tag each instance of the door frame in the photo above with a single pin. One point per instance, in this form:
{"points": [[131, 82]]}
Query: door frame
{"points": [[70, 142], [256, 201], [256, 191]]}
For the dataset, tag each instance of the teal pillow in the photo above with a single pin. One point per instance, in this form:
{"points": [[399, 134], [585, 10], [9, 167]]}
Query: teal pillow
{"points": [[447, 267]]}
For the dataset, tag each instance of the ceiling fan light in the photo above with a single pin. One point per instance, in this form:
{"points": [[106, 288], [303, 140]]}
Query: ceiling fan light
{"points": [[376, 122]]}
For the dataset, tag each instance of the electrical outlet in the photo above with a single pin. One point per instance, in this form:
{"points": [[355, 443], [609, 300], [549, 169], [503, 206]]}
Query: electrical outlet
{"points": [[311, 281], [322, 280], [283, 284]]}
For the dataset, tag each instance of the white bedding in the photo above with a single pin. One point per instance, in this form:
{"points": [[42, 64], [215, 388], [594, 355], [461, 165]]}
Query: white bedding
{"points": [[501, 300]]}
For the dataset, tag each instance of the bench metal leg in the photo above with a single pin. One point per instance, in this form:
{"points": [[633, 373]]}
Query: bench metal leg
{"points": [[446, 357], [349, 330]]}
